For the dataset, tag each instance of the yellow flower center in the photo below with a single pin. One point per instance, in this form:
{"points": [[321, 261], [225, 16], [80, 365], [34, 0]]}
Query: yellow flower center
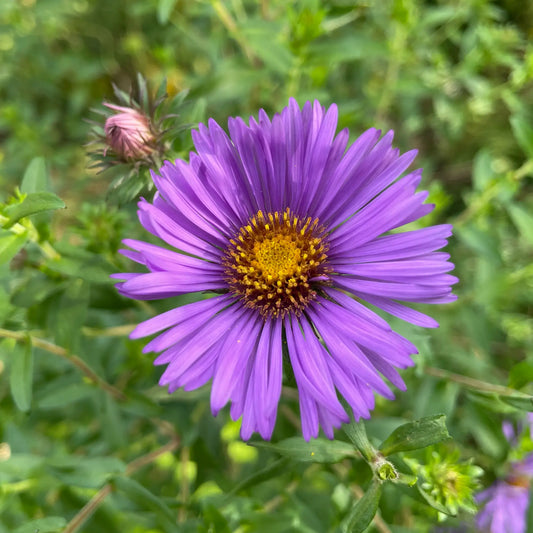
{"points": [[274, 262], [277, 257]]}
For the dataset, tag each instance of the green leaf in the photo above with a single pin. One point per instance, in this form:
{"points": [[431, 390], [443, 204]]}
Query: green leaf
{"points": [[10, 244], [274, 53], [364, 510], [95, 270], [405, 479], [494, 400], [59, 397], [164, 10], [112, 424], [20, 466], [215, 520], [141, 405], [520, 375], [315, 451], [21, 375], [523, 133], [35, 177], [50, 524], [432, 502], [69, 316], [34, 290], [273, 469], [482, 171], [34, 203], [356, 432], [523, 402], [87, 472], [523, 220], [146, 499], [481, 242], [414, 435]]}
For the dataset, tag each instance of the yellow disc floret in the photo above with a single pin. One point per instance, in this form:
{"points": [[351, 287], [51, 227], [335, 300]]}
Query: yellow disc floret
{"points": [[275, 260]]}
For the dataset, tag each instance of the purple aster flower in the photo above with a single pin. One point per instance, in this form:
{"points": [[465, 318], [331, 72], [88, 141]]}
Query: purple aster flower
{"points": [[513, 429], [506, 501], [505, 508], [292, 229]]}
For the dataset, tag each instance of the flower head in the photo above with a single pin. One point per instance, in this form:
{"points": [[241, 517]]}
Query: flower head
{"points": [[450, 481], [507, 500], [292, 230], [128, 133], [505, 508]]}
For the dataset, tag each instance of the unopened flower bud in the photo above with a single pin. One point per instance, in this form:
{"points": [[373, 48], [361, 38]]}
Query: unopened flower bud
{"points": [[128, 133]]}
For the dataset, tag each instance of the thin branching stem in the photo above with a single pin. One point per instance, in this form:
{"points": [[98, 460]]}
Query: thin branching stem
{"points": [[92, 505], [470, 383], [80, 364]]}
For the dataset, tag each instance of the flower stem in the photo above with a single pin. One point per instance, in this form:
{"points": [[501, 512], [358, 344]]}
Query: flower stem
{"points": [[92, 505], [470, 383], [79, 363]]}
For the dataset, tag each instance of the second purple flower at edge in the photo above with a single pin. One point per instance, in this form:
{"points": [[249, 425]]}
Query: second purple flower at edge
{"points": [[287, 225]]}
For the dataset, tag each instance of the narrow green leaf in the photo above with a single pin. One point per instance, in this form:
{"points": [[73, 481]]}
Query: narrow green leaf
{"points": [[113, 428], [481, 242], [66, 395], [144, 498], [277, 56], [414, 435], [520, 375], [363, 511], [141, 405], [524, 402], [164, 10], [87, 472], [494, 400], [34, 203], [50, 524], [356, 432], [21, 466], [417, 493], [406, 479], [21, 376], [523, 133], [482, 171], [10, 244], [143, 91], [215, 520], [35, 177], [523, 220], [432, 502], [67, 320], [270, 471], [314, 451]]}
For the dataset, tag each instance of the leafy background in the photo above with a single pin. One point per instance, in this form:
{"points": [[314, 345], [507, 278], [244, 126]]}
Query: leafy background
{"points": [[84, 431]]}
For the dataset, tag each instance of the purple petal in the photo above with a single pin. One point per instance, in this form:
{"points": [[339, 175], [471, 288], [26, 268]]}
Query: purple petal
{"points": [[238, 347], [177, 315], [157, 285]]}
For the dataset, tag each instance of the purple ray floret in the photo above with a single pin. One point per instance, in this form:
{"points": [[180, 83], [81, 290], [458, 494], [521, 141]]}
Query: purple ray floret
{"points": [[505, 507], [291, 228]]}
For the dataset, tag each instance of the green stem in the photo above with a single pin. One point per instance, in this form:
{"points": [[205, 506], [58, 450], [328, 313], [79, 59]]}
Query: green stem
{"points": [[95, 502], [79, 363], [116, 331], [472, 383], [227, 20]]}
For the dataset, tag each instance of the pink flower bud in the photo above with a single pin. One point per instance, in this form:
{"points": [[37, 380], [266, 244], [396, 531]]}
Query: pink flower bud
{"points": [[128, 133]]}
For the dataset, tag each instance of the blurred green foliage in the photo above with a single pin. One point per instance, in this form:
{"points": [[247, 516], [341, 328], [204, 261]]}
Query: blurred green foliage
{"points": [[81, 420]]}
